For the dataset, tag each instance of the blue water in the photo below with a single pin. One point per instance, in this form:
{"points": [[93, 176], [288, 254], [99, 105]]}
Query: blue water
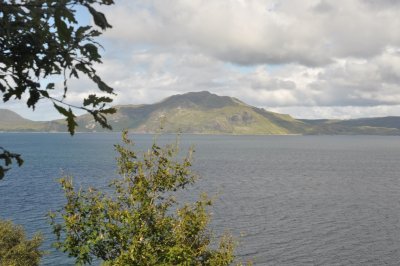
{"points": [[289, 200]]}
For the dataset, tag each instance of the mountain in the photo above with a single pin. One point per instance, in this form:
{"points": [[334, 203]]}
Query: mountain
{"points": [[207, 113], [386, 122], [363, 126], [197, 112], [11, 121]]}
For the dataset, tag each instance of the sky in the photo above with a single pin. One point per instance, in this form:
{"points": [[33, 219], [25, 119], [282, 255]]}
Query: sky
{"points": [[309, 58]]}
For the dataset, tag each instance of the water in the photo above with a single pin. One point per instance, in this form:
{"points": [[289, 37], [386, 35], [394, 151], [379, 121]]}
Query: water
{"points": [[290, 200]]}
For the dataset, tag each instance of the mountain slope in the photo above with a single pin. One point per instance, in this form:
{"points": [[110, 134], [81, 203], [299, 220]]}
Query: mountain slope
{"points": [[207, 113], [382, 122], [361, 126], [198, 112], [10, 121]]}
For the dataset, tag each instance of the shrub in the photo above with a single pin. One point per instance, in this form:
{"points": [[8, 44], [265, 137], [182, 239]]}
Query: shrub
{"points": [[15, 249], [140, 222]]}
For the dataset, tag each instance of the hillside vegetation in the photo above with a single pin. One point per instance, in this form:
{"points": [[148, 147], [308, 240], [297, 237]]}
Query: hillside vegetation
{"points": [[207, 113]]}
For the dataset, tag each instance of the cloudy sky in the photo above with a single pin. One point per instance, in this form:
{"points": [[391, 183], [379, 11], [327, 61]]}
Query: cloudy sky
{"points": [[309, 58]]}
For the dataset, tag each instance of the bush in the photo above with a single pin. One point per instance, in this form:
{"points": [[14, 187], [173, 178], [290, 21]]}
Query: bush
{"points": [[15, 249], [140, 222]]}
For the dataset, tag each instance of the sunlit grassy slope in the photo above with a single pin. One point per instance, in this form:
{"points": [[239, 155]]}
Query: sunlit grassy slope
{"points": [[207, 113], [200, 112], [10, 121]]}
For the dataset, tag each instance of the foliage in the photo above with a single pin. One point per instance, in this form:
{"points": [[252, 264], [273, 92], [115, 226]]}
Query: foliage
{"points": [[7, 158], [15, 249], [41, 39], [140, 222]]}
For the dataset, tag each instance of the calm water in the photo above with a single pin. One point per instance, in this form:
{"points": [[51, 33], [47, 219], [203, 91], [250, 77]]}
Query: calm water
{"points": [[291, 200]]}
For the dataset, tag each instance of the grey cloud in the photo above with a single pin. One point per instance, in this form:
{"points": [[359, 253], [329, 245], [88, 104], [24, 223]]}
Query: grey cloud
{"points": [[323, 7], [382, 3], [360, 83], [325, 53], [273, 84], [339, 112], [255, 32], [149, 76], [298, 55]]}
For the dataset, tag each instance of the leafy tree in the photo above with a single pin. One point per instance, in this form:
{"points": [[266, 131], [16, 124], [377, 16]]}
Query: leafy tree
{"points": [[40, 39], [140, 222], [15, 249]]}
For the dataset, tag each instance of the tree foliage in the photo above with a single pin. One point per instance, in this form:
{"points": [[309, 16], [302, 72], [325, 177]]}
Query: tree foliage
{"points": [[15, 249], [7, 157], [140, 222], [41, 39]]}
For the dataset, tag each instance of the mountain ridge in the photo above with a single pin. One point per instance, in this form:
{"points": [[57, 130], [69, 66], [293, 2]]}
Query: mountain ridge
{"points": [[207, 113]]}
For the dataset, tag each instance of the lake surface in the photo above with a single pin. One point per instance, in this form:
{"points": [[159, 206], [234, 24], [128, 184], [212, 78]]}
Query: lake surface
{"points": [[289, 200]]}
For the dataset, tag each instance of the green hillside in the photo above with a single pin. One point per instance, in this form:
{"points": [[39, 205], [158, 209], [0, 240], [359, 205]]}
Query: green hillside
{"points": [[10, 121], [207, 113], [363, 126], [198, 112]]}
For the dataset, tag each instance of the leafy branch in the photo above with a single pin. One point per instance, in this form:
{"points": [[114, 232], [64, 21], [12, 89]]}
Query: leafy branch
{"points": [[41, 39], [7, 158]]}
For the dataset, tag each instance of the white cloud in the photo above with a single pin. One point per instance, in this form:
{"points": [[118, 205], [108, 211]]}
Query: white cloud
{"points": [[311, 58], [260, 31], [339, 112]]}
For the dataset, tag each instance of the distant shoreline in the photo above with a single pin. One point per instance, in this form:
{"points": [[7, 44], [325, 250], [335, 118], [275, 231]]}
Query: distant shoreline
{"points": [[148, 133], [193, 134], [198, 112]]}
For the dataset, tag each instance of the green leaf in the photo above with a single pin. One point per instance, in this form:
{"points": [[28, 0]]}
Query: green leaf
{"points": [[50, 86], [93, 100], [69, 15], [63, 32], [20, 162], [82, 67], [74, 73], [101, 85], [8, 95], [108, 111], [2, 172], [34, 96], [61, 109], [70, 118], [81, 31], [44, 93], [99, 18], [94, 33], [71, 122], [92, 50], [101, 119], [7, 157]]}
